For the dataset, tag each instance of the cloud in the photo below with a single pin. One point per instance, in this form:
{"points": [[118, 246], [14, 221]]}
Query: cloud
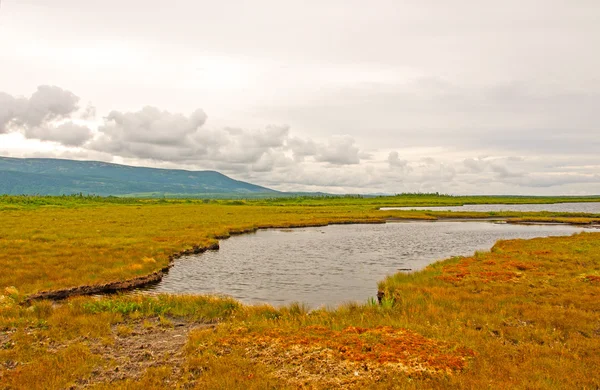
{"points": [[399, 166], [272, 160], [160, 135], [273, 156], [435, 172], [243, 146], [89, 112], [500, 167], [302, 148], [339, 150], [47, 104], [68, 133], [493, 117], [428, 160], [11, 110], [150, 126], [394, 160], [552, 179], [475, 165], [155, 134], [503, 171], [44, 116]]}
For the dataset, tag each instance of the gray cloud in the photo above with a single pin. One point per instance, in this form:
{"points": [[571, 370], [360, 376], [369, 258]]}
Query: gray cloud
{"points": [[497, 168], [271, 161], [89, 112], [42, 116], [503, 171], [249, 146], [159, 135], [398, 165], [547, 180], [150, 126], [495, 117], [467, 80], [11, 109], [302, 148], [48, 104], [275, 157], [339, 150], [475, 165], [68, 133]]}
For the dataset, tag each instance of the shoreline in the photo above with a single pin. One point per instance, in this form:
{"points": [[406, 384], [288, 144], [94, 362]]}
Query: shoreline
{"points": [[156, 276]]}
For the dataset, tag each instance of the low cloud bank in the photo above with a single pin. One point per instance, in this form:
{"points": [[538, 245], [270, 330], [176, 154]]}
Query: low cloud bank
{"points": [[46, 115], [273, 156]]}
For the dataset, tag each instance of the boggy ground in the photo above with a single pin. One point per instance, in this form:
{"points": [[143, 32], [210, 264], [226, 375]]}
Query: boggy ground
{"points": [[53, 243], [524, 315]]}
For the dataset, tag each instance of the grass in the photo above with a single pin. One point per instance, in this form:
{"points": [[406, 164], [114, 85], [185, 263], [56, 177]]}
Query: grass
{"points": [[53, 243], [528, 307], [399, 200], [524, 315]]}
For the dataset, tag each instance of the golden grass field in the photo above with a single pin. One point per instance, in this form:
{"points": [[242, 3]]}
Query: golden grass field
{"points": [[524, 315]]}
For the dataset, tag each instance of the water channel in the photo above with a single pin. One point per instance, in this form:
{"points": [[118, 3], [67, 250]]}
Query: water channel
{"points": [[333, 264], [575, 207]]}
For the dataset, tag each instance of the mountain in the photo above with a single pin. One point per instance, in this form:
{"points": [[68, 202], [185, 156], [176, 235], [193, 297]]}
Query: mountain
{"points": [[47, 176]]}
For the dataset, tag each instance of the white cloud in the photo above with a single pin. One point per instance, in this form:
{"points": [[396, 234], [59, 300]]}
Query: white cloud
{"points": [[44, 116], [159, 135], [339, 150], [149, 126], [10, 110], [302, 148], [475, 165], [274, 156], [67, 133], [47, 104]]}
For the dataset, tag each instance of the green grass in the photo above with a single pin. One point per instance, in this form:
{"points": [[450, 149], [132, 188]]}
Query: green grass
{"points": [[400, 200]]}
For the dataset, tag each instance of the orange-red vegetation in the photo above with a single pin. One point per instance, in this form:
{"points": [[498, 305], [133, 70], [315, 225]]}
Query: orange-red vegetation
{"points": [[593, 278], [398, 348]]}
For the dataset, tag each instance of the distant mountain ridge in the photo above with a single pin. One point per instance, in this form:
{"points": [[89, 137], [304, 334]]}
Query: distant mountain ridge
{"points": [[47, 176]]}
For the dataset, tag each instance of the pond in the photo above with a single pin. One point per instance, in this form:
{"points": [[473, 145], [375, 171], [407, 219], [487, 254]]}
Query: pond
{"points": [[333, 264], [575, 207]]}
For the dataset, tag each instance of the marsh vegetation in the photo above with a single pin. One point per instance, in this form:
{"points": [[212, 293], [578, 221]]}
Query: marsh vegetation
{"points": [[523, 315]]}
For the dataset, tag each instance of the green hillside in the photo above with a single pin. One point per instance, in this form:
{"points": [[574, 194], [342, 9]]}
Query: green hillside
{"points": [[46, 176]]}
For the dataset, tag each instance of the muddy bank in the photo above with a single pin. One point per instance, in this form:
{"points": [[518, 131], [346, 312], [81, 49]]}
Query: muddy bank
{"points": [[123, 285], [157, 276]]}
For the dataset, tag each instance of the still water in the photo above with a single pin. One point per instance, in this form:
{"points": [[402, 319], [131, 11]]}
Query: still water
{"points": [[580, 207], [332, 264]]}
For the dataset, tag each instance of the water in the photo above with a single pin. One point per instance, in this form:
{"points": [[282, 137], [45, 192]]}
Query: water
{"points": [[332, 264], [575, 207]]}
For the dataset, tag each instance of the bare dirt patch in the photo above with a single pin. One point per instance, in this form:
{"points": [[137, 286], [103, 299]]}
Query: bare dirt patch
{"points": [[141, 345]]}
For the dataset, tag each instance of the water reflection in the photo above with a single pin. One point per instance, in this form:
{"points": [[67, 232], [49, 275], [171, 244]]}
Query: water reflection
{"points": [[333, 264]]}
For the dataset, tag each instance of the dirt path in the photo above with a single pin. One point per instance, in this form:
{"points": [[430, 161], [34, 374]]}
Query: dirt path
{"points": [[141, 345]]}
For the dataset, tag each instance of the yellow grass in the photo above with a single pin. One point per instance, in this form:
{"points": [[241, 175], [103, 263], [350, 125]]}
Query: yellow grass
{"points": [[56, 247], [524, 315], [51, 248]]}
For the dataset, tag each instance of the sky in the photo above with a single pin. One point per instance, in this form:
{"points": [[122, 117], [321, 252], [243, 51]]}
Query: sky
{"points": [[341, 96]]}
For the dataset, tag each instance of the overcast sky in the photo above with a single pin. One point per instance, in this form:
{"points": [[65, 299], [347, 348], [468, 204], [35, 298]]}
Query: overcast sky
{"points": [[457, 96]]}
